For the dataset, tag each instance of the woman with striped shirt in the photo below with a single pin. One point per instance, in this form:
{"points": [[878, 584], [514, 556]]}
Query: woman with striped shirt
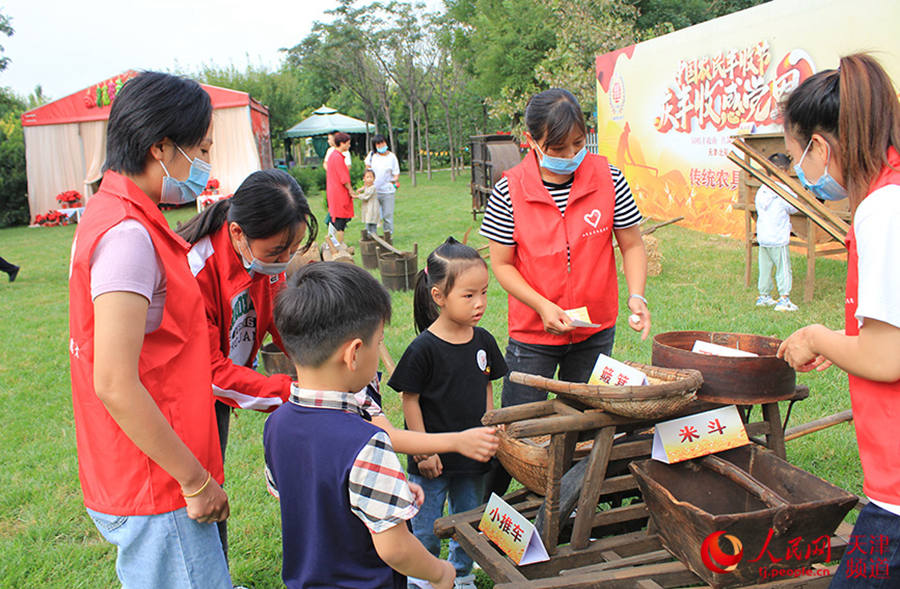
{"points": [[551, 221]]}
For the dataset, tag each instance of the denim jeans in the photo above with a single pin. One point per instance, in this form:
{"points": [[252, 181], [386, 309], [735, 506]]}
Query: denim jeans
{"points": [[386, 202], [872, 558], [575, 362], [463, 492], [165, 550]]}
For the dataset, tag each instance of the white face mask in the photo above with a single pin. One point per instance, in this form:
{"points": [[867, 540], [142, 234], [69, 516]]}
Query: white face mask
{"points": [[269, 268]]}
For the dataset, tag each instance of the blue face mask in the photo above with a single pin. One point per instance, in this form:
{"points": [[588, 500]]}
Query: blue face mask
{"points": [[562, 165], [259, 267], [825, 187], [382, 149], [178, 192]]}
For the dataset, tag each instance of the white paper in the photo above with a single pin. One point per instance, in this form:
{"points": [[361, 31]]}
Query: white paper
{"points": [[710, 349], [612, 372], [580, 318], [535, 551]]}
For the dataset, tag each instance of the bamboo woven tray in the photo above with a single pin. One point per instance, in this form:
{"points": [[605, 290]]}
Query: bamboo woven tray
{"points": [[526, 459], [669, 392]]}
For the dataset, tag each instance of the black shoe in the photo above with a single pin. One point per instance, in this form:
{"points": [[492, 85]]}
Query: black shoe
{"points": [[13, 274]]}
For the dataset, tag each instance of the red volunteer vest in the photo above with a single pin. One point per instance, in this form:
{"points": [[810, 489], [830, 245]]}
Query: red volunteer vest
{"points": [[222, 278], [116, 477], [876, 405], [544, 236], [340, 204]]}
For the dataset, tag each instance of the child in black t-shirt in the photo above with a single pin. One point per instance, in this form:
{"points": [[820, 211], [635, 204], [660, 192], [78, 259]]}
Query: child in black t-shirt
{"points": [[445, 377]]}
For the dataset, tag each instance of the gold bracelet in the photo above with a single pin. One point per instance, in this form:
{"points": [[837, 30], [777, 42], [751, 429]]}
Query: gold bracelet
{"points": [[201, 489]]}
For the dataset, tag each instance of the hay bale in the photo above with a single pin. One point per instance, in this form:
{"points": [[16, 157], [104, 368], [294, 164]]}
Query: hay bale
{"points": [[654, 256]]}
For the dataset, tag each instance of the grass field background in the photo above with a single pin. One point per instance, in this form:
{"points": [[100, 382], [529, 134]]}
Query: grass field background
{"points": [[46, 538]]}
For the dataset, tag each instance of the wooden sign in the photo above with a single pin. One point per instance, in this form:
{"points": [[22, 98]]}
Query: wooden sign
{"points": [[698, 435], [515, 535]]}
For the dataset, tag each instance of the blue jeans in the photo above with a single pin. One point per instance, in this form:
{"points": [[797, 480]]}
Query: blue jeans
{"points": [[165, 550], [872, 558], [575, 362], [463, 492], [386, 202]]}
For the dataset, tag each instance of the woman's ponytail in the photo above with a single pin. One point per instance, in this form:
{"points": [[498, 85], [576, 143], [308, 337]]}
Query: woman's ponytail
{"points": [[205, 222], [425, 311]]}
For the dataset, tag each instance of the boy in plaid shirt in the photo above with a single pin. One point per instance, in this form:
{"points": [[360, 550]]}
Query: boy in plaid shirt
{"points": [[344, 498]]}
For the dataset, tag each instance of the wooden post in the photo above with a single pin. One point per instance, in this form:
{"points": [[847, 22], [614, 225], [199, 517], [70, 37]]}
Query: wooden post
{"points": [[590, 491], [810, 285], [555, 469], [775, 437]]}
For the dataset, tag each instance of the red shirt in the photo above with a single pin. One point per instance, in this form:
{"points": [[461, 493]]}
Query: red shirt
{"points": [[875, 404], [116, 476], [229, 292], [568, 258], [337, 176]]}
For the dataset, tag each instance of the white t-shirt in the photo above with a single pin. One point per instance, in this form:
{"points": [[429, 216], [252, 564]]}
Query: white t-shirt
{"points": [[385, 167], [875, 226], [347, 158], [773, 222]]}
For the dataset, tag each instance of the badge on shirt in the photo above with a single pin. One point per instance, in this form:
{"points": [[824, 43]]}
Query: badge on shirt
{"points": [[481, 358]]}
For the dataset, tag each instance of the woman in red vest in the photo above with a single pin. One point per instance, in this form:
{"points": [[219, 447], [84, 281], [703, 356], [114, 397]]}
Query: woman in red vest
{"points": [[148, 450], [241, 247], [338, 190], [551, 221], [842, 128]]}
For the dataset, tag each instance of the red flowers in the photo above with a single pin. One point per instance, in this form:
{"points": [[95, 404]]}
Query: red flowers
{"points": [[69, 197], [51, 219]]}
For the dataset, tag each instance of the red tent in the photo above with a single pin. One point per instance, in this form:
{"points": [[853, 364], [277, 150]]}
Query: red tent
{"points": [[65, 140]]}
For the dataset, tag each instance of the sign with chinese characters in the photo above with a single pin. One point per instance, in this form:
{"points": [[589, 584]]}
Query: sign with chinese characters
{"points": [[615, 373], [580, 317], [668, 107], [698, 435], [515, 535]]}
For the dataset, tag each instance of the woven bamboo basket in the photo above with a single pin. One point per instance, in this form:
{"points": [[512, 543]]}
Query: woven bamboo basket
{"points": [[527, 459], [669, 392]]}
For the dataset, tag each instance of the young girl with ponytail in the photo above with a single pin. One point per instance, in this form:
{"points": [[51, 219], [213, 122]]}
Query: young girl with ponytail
{"points": [[445, 378], [842, 128]]}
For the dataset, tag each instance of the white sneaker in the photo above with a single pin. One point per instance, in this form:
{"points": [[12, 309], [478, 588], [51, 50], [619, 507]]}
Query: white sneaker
{"points": [[765, 300], [785, 304], [467, 582]]}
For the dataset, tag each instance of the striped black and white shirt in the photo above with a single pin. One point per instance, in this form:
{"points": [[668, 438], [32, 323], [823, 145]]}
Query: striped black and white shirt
{"points": [[498, 223]]}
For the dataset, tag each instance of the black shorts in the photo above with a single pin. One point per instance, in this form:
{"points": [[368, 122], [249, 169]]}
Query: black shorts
{"points": [[340, 223]]}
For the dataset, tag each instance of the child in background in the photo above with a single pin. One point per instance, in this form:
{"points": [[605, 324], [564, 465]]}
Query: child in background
{"points": [[445, 377], [773, 232], [344, 499], [368, 210]]}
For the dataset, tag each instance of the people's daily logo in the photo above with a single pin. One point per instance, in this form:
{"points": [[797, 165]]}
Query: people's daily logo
{"points": [[716, 559]]}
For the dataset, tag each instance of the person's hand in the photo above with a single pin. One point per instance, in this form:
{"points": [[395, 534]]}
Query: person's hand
{"points": [[448, 575], [211, 505], [418, 493], [797, 350], [478, 443], [431, 467], [555, 319], [639, 308]]}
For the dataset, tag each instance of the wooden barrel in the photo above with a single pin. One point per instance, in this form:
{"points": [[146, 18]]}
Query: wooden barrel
{"points": [[368, 249], [398, 271]]}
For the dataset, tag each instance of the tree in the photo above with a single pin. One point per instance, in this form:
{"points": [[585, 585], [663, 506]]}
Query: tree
{"points": [[6, 29]]}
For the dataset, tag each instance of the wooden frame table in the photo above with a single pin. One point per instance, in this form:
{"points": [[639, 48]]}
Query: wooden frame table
{"points": [[617, 441]]}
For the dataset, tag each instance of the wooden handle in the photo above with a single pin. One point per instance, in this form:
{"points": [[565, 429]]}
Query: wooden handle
{"points": [[744, 479], [552, 385], [650, 230], [389, 364], [819, 424], [385, 244], [518, 413]]}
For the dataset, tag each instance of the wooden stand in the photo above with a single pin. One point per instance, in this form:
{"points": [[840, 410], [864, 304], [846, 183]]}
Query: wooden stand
{"points": [[617, 441]]}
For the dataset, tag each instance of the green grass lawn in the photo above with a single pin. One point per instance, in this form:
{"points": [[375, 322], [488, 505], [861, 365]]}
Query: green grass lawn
{"points": [[47, 540]]}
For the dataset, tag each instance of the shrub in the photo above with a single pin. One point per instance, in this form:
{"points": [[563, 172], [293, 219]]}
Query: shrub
{"points": [[13, 186], [310, 179]]}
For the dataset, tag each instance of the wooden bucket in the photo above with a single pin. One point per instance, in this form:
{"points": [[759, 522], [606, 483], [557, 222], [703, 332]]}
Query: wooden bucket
{"points": [[275, 362], [746, 493], [398, 271], [368, 249]]}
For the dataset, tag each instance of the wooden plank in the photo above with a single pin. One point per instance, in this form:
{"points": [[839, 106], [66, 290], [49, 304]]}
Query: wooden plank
{"points": [[518, 412], [671, 574], [495, 563], [523, 501], [590, 419], [614, 561], [628, 544], [556, 466], [620, 514], [775, 437], [590, 490]]}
